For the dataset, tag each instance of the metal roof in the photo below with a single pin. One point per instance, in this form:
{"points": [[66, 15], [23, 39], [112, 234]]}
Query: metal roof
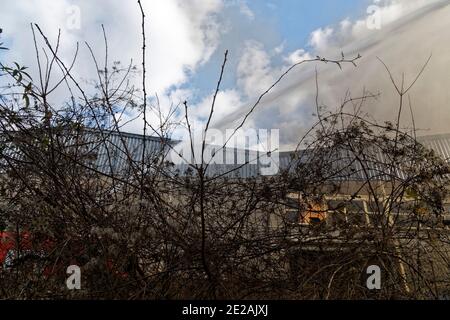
{"points": [[111, 150], [440, 144], [340, 163]]}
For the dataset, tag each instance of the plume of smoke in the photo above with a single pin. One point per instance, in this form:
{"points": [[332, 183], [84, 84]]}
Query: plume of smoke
{"points": [[410, 31]]}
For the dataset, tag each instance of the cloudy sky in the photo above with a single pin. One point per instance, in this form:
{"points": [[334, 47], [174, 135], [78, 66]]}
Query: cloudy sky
{"points": [[187, 39]]}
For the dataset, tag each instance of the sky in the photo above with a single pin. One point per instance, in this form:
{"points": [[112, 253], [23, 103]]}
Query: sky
{"points": [[187, 40]]}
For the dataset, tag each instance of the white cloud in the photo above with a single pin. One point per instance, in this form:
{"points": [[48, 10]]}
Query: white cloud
{"points": [[320, 37], [245, 10], [227, 102], [345, 24], [279, 49], [242, 6], [297, 56], [181, 36], [254, 71]]}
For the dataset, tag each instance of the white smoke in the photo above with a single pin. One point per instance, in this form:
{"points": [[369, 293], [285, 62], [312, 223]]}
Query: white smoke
{"points": [[410, 31]]}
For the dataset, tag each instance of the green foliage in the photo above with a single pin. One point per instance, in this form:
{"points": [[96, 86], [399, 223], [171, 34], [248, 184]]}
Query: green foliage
{"points": [[19, 74]]}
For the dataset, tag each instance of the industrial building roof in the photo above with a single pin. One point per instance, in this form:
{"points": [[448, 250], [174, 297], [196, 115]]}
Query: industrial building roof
{"points": [[338, 160], [114, 150]]}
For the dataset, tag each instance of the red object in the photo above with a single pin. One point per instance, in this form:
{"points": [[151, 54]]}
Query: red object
{"points": [[7, 243], [8, 247]]}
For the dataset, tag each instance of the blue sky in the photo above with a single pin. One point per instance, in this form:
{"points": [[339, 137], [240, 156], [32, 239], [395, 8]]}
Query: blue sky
{"points": [[276, 22], [294, 20], [187, 38]]}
